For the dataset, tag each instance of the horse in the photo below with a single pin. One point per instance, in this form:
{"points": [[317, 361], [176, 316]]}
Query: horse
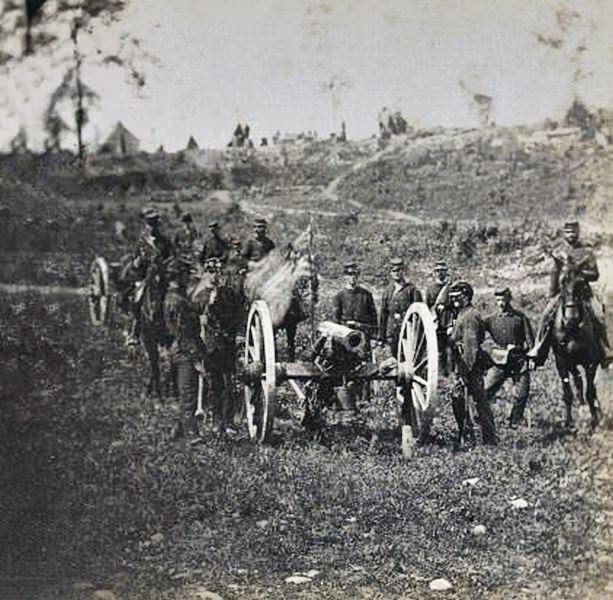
{"points": [[575, 344], [152, 292], [286, 280]]}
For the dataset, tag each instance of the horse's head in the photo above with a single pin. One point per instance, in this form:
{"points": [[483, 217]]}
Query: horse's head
{"points": [[572, 295]]}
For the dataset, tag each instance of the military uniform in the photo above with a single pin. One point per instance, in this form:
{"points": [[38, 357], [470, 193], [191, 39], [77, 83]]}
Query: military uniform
{"points": [[582, 257], [510, 327], [152, 250], [467, 336], [395, 301], [358, 305], [214, 246], [256, 249], [437, 299], [185, 240]]}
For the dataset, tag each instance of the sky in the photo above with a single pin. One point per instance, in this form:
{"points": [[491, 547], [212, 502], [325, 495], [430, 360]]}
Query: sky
{"points": [[300, 65]]}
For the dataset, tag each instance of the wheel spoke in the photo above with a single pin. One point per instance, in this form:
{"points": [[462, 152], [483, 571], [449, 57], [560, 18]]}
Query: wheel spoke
{"points": [[421, 398], [420, 380], [420, 364], [422, 337]]}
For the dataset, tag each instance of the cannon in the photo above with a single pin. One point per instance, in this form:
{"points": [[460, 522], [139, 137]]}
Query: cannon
{"points": [[341, 352]]}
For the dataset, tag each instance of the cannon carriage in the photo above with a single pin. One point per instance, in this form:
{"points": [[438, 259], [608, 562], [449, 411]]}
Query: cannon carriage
{"points": [[414, 369], [103, 290]]}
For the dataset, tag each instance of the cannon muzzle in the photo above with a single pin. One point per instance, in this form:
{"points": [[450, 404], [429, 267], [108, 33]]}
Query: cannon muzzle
{"points": [[352, 340]]}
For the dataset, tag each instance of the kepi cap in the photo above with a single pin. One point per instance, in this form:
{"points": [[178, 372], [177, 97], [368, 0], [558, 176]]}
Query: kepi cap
{"points": [[260, 221], [396, 262], [503, 292], [350, 268], [150, 214], [440, 265], [461, 288], [571, 226], [213, 225], [187, 218]]}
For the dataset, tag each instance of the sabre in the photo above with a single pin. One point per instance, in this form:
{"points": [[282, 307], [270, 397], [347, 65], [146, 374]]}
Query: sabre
{"points": [[199, 409], [312, 290]]}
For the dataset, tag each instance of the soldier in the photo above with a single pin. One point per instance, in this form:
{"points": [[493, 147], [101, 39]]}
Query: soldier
{"points": [[438, 302], [186, 237], [257, 247], [214, 246], [153, 248], [354, 307], [187, 349], [466, 336], [397, 297], [512, 333], [571, 251]]}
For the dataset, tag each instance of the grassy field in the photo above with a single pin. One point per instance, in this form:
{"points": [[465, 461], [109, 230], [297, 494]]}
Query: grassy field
{"points": [[96, 491]]}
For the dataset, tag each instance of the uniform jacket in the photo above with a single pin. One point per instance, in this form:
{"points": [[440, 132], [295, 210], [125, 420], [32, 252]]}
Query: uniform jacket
{"points": [[185, 239], [214, 247], [579, 253], [150, 249], [356, 304], [467, 334], [394, 305], [510, 327], [444, 315], [183, 325], [257, 249]]}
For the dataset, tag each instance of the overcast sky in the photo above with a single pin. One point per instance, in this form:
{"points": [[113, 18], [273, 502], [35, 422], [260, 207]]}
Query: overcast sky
{"points": [[270, 63]]}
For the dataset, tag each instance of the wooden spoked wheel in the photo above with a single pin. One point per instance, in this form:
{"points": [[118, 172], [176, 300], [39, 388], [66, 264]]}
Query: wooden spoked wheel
{"points": [[98, 296], [260, 368], [417, 378]]}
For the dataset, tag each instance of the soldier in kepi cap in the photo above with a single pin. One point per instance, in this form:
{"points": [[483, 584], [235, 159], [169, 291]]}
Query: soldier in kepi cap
{"points": [[437, 299], [153, 248], [354, 306], [186, 237], [467, 336], [214, 246], [512, 333], [257, 247], [579, 255], [397, 297]]}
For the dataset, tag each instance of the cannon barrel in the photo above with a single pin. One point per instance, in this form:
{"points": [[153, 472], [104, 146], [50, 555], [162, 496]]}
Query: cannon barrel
{"points": [[352, 340]]}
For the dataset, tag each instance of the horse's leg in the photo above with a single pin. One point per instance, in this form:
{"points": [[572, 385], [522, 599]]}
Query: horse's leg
{"points": [[567, 392], [590, 393], [290, 332], [578, 381], [151, 347]]}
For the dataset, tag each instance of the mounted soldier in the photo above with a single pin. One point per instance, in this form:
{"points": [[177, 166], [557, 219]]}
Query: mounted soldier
{"points": [[153, 248], [437, 299], [467, 336], [257, 247], [397, 297], [214, 246], [185, 239], [512, 334], [576, 256]]}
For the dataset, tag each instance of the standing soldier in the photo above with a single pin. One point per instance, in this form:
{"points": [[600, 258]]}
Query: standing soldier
{"points": [[186, 237], [397, 297], [437, 299], [187, 349], [354, 306], [579, 255], [257, 247], [153, 248], [214, 246], [512, 333], [467, 336]]}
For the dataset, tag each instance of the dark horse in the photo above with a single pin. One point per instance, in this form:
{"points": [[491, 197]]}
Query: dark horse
{"points": [[152, 329], [575, 342]]}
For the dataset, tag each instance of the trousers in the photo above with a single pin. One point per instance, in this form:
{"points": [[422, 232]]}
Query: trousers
{"points": [[520, 377]]}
